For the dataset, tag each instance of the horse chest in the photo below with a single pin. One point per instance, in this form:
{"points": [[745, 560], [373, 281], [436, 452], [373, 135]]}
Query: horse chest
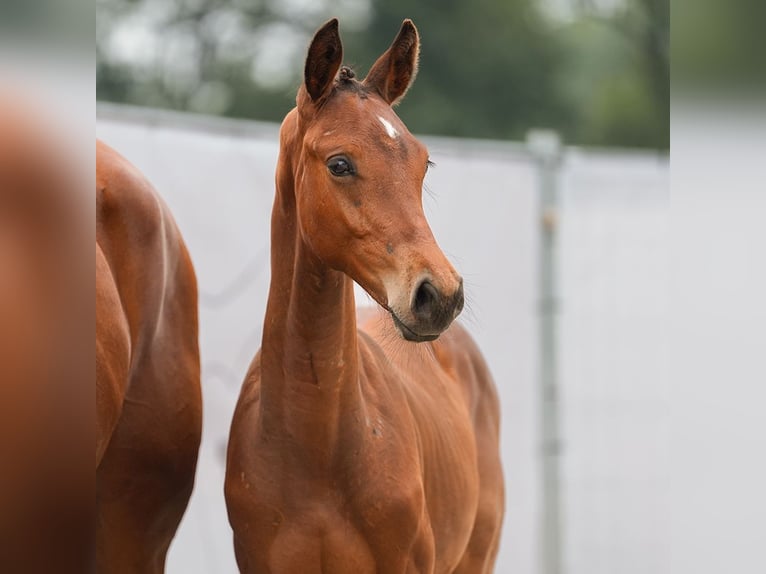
{"points": [[320, 541], [332, 536]]}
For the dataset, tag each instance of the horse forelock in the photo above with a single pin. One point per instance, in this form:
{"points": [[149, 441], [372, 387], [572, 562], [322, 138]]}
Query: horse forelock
{"points": [[345, 82]]}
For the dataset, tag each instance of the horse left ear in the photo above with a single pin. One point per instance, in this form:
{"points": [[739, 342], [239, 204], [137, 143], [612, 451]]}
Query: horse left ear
{"points": [[393, 73], [323, 60]]}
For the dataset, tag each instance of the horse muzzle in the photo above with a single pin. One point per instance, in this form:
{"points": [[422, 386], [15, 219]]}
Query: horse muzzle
{"points": [[430, 312]]}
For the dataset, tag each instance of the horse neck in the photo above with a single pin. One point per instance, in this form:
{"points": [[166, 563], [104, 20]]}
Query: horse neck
{"points": [[309, 355]]}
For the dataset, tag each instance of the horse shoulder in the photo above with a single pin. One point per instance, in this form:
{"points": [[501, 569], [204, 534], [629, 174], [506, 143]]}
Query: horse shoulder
{"points": [[452, 403], [240, 447], [482, 402]]}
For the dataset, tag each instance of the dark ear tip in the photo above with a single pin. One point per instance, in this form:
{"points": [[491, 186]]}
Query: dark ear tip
{"points": [[409, 26], [330, 26], [328, 29]]}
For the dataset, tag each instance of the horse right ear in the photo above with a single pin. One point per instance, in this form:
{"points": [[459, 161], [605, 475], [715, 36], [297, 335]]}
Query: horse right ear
{"points": [[393, 73], [323, 60]]}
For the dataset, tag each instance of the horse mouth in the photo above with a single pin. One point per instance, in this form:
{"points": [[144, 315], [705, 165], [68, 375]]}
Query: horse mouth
{"points": [[408, 333]]}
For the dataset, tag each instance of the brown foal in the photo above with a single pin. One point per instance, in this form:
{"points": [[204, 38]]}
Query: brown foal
{"points": [[148, 397], [353, 451]]}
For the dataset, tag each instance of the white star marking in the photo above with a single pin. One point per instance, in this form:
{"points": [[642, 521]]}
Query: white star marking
{"points": [[390, 130]]}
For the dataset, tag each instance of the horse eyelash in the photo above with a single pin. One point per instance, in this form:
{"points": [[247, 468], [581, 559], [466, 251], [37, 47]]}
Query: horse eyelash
{"points": [[429, 165]]}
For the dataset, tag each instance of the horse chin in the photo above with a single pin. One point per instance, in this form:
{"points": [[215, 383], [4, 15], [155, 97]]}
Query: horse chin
{"points": [[410, 335]]}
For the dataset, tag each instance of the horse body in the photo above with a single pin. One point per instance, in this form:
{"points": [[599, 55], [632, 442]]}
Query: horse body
{"points": [[395, 489], [352, 451], [148, 396], [46, 357]]}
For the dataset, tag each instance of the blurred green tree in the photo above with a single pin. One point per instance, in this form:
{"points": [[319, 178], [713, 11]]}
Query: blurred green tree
{"points": [[489, 68], [718, 48], [617, 73]]}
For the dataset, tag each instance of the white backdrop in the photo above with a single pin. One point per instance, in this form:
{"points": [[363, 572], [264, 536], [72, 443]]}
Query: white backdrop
{"points": [[613, 363], [217, 177]]}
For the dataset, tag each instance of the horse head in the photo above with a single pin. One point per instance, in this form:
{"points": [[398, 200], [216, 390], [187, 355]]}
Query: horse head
{"points": [[358, 177]]}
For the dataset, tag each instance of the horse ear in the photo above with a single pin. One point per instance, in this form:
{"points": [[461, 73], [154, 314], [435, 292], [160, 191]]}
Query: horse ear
{"points": [[323, 60], [396, 69]]}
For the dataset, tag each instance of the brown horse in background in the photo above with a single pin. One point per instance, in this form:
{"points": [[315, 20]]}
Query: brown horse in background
{"points": [[353, 451], [148, 397], [46, 349]]}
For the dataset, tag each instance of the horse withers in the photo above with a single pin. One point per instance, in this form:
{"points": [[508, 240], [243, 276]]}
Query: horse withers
{"points": [[148, 396], [361, 445]]}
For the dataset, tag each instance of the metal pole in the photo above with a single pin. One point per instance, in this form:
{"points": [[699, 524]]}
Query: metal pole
{"points": [[545, 146]]}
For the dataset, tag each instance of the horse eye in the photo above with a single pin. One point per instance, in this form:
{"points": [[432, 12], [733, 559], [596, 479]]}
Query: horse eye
{"points": [[340, 166]]}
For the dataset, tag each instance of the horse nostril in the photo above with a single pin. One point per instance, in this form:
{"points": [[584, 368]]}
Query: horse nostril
{"points": [[426, 300]]}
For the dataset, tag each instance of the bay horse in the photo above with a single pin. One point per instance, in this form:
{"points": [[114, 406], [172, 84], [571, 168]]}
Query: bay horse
{"points": [[148, 396], [354, 451], [46, 354]]}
